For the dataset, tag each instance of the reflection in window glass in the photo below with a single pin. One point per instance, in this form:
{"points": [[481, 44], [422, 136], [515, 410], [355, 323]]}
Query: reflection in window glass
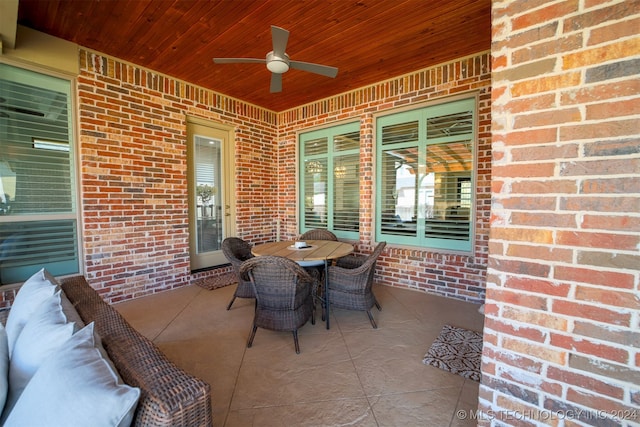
{"points": [[330, 172], [401, 191], [346, 194], [424, 176], [209, 207], [315, 193], [38, 222]]}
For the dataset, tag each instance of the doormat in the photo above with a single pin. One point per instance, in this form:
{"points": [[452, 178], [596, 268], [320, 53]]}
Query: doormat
{"points": [[215, 282], [458, 351]]}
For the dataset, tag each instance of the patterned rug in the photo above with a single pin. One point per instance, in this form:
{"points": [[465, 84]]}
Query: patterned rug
{"points": [[456, 350], [216, 282]]}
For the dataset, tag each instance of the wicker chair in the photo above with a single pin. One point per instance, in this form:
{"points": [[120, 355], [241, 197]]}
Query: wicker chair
{"points": [[317, 271], [283, 292], [350, 282], [318, 234], [237, 251]]}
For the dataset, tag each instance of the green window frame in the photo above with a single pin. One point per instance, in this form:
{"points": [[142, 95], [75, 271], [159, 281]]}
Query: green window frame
{"points": [[38, 215], [329, 165], [425, 176]]}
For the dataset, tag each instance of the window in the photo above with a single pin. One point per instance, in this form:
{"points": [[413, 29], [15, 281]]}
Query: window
{"points": [[424, 176], [38, 220], [330, 175]]}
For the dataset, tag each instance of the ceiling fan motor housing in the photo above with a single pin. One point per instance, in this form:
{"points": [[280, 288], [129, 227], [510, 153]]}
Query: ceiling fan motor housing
{"points": [[277, 64]]}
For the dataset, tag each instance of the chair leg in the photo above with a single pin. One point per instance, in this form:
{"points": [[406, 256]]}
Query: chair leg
{"points": [[253, 334], [295, 340], [373, 322], [324, 304], [231, 302], [313, 315], [378, 306]]}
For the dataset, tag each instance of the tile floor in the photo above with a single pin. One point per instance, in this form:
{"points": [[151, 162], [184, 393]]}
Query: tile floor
{"points": [[350, 375]]}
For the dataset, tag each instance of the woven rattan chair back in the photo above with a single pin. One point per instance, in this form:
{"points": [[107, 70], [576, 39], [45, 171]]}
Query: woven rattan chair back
{"points": [[351, 281], [318, 234], [283, 292], [238, 251]]}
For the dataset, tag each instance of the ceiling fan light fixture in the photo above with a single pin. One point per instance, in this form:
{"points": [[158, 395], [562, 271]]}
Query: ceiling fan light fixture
{"points": [[278, 67]]}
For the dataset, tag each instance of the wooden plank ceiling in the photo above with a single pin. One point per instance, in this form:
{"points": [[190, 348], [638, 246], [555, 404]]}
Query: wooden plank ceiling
{"points": [[367, 40]]}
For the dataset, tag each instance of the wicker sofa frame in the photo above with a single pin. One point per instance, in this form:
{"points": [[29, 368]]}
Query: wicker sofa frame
{"points": [[169, 396]]}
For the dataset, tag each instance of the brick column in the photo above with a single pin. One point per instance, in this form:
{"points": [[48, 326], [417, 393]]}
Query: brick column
{"points": [[561, 332]]}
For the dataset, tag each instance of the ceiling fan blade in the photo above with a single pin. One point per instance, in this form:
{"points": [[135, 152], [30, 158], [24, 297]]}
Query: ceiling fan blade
{"points": [[276, 83], [323, 70], [279, 38], [238, 60]]}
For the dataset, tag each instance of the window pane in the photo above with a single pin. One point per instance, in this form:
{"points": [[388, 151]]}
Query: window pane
{"points": [[35, 152], [330, 173], [424, 176], [209, 207], [42, 181], [36, 176], [315, 193], [451, 166], [29, 246], [402, 132], [346, 194], [400, 198], [347, 141], [317, 146], [460, 123]]}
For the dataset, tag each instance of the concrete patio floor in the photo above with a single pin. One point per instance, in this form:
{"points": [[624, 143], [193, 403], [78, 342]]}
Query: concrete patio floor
{"points": [[349, 375]]}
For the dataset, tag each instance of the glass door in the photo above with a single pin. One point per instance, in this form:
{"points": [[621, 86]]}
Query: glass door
{"points": [[210, 193], [208, 207]]}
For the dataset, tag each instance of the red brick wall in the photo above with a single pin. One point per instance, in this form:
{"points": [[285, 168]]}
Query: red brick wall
{"points": [[453, 275], [132, 169], [561, 328], [133, 174], [132, 140]]}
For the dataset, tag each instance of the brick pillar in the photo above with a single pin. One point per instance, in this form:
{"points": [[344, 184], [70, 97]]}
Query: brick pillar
{"points": [[562, 308]]}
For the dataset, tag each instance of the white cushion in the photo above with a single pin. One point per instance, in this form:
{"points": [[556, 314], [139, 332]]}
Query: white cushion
{"points": [[32, 293], [70, 312], [44, 333], [76, 386], [4, 366]]}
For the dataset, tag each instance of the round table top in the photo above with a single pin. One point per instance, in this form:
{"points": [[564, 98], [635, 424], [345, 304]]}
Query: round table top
{"points": [[317, 250]]}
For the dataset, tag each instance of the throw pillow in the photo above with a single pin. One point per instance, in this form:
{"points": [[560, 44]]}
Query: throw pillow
{"points": [[70, 312], [43, 334], [76, 386], [32, 293], [4, 367]]}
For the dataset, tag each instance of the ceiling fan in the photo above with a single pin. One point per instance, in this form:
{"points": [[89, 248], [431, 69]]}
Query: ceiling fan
{"points": [[278, 61]]}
